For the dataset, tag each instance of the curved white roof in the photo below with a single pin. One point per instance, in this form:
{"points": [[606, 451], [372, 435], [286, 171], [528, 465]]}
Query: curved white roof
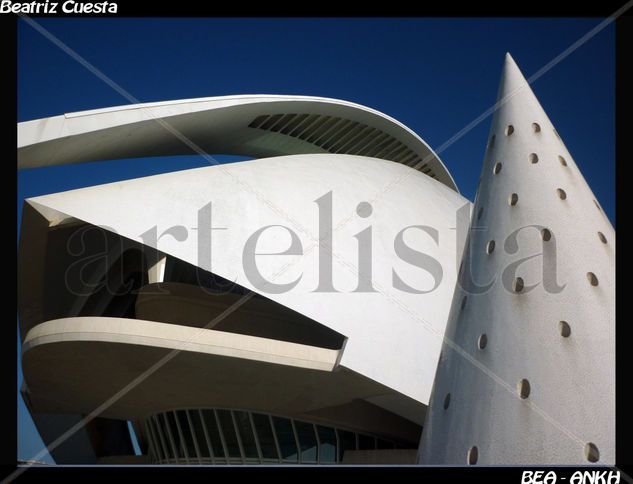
{"points": [[253, 125]]}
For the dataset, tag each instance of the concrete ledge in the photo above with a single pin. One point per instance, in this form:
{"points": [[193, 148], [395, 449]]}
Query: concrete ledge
{"points": [[183, 338]]}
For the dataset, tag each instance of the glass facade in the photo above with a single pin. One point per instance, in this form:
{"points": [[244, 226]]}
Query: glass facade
{"points": [[221, 436]]}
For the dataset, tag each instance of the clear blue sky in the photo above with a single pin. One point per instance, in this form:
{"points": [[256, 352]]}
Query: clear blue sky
{"points": [[434, 75]]}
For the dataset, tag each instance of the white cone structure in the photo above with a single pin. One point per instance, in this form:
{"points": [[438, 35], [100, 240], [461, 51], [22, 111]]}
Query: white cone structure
{"points": [[527, 370]]}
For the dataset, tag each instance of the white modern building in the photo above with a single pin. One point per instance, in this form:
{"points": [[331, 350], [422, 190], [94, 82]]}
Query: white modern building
{"points": [[292, 309]]}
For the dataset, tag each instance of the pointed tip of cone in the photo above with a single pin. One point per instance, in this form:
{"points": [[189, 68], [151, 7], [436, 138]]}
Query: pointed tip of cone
{"points": [[515, 98], [509, 61], [511, 77]]}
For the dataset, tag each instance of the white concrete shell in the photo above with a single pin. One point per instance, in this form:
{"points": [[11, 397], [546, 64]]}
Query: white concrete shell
{"points": [[372, 376], [527, 374], [393, 337]]}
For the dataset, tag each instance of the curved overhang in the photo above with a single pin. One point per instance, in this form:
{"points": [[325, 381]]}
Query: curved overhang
{"points": [[181, 338], [259, 126], [136, 368]]}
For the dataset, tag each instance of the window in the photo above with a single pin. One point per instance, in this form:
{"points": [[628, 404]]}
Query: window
{"points": [[170, 424], [307, 441], [347, 441], [157, 446], [327, 444], [265, 436], [224, 436], [199, 433], [286, 439], [245, 429], [163, 437], [228, 430], [210, 423], [185, 429]]}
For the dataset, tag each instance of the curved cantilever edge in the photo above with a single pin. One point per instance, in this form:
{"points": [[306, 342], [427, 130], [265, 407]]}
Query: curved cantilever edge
{"points": [[180, 338], [159, 364], [252, 125]]}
